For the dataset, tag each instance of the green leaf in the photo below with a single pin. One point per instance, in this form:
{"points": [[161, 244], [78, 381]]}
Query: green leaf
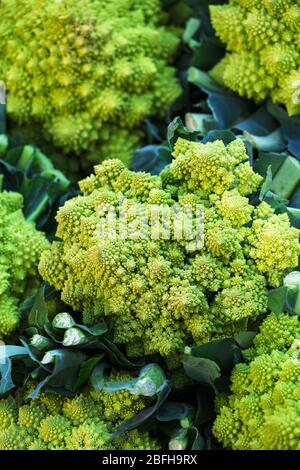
{"points": [[205, 405], [203, 80], [198, 441], [272, 142], [224, 352], [225, 136], [277, 299], [6, 382], [172, 410], [245, 339], [202, 370], [177, 129], [97, 377], [86, 370], [145, 414], [266, 186], [152, 159], [38, 315]]}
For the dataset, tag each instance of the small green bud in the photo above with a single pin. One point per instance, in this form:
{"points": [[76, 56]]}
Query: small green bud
{"points": [[75, 336], [150, 381], [63, 321], [49, 357], [179, 440], [40, 342]]}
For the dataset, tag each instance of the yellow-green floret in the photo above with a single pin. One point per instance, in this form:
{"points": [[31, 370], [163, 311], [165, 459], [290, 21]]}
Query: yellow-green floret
{"points": [[21, 246], [126, 254], [263, 43], [81, 423], [262, 412], [86, 73]]}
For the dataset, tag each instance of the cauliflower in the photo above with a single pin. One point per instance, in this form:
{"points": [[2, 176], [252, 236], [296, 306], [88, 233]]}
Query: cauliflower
{"points": [[159, 285], [262, 412], [20, 248], [79, 423], [87, 72], [262, 38]]}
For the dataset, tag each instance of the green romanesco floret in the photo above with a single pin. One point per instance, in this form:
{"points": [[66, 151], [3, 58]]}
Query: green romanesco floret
{"points": [[125, 255], [21, 246], [80, 423], [89, 76], [263, 58], [262, 412], [120, 405]]}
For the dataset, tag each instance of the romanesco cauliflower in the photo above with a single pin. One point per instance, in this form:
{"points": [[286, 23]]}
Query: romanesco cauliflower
{"points": [[262, 412], [80, 423], [262, 38], [159, 290], [87, 72], [20, 248]]}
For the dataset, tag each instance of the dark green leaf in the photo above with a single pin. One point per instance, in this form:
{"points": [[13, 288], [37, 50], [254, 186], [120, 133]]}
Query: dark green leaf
{"points": [[38, 316], [152, 159], [6, 383], [224, 352], [202, 370], [177, 129], [172, 410], [198, 440], [245, 339], [146, 414], [266, 186], [205, 405], [225, 136], [97, 377], [86, 370], [276, 299]]}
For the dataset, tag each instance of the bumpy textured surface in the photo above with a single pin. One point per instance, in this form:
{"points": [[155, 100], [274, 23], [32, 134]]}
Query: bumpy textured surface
{"points": [[263, 411], [263, 40], [87, 72], [79, 423], [157, 288], [21, 246]]}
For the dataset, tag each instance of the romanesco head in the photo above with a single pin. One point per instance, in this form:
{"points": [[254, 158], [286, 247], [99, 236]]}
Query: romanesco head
{"points": [[262, 412], [263, 59], [85, 422], [89, 75], [20, 248], [125, 255]]}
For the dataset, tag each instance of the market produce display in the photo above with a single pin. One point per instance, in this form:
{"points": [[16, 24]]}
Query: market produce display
{"points": [[149, 226], [87, 73]]}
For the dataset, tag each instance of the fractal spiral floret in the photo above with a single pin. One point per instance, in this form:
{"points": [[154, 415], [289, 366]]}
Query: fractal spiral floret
{"points": [[263, 40], [78, 423], [263, 410], [87, 73], [157, 291], [20, 248]]}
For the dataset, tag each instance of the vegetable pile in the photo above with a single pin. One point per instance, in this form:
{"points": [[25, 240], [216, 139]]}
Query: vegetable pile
{"points": [[149, 225]]}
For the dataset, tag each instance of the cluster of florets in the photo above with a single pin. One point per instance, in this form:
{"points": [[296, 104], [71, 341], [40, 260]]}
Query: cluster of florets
{"points": [[263, 40], [21, 246], [53, 422], [263, 411], [87, 72], [158, 287]]}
